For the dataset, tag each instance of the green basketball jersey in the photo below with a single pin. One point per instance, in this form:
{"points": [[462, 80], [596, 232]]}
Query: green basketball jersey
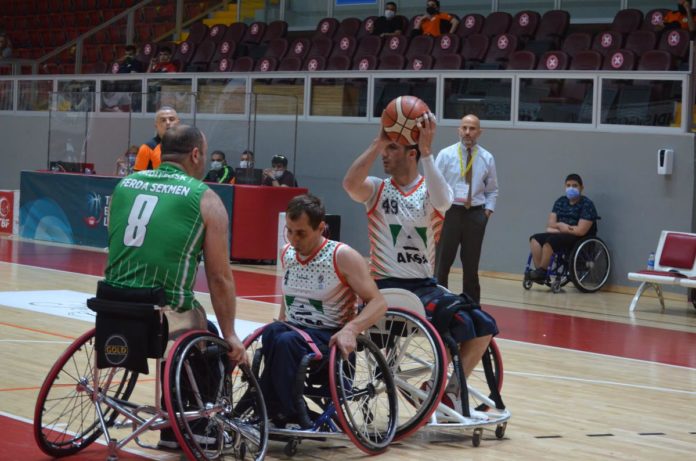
{"points": [[156, 233]]}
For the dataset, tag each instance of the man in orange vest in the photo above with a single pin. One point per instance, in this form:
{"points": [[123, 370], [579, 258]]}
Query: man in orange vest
{"points": [[148, 157]]}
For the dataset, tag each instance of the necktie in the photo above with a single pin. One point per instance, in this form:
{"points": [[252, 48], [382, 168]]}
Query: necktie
{"points": [[467, 178]]}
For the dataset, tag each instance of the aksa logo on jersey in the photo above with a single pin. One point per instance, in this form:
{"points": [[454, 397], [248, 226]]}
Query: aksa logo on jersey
{"points": [[116, 349]]}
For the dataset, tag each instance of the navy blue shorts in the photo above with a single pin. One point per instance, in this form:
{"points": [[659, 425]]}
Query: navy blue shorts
{"points": [[466, 325]]}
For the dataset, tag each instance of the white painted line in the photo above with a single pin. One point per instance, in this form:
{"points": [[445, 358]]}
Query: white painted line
{"points": [[27, 341], [596, 354], [599, 382], [73, 304]]}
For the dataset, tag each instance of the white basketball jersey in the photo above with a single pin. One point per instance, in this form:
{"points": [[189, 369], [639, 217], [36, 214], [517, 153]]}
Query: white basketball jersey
{"points": [[316, 294], [403, 228]]}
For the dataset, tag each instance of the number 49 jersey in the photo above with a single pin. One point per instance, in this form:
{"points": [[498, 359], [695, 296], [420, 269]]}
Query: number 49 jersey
{"points": [[404, 228], [156, 233]]}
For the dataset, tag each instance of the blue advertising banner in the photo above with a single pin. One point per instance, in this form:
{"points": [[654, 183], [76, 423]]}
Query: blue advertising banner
{"points": [[73, 208]]}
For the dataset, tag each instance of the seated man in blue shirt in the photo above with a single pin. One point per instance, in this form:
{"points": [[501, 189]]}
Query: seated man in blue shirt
{"points": [[570, 219]]}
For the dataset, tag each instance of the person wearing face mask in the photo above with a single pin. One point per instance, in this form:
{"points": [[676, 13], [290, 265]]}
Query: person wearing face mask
{"points": [[247, 159], [124, 164], [571, 217], [434, 23], [279, 174], [469, 169], [219, 172], [389, 24]]}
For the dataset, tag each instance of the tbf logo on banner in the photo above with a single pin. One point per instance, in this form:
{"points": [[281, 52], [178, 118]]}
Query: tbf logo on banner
{"points": [[8, 203]]}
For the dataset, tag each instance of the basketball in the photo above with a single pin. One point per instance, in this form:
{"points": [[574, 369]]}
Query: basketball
{"points": [[399, 119]]}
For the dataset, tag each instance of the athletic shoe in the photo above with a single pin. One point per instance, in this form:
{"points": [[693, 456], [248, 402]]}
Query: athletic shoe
{"points": [[454, 402], [168, 440]]}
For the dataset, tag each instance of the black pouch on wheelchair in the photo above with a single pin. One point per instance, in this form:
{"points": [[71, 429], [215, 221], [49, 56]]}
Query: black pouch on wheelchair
{"points": [[128, 328], [442, 310]]}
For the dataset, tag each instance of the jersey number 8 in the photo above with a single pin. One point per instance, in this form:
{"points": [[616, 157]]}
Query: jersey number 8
{"points": [[138, 219]]}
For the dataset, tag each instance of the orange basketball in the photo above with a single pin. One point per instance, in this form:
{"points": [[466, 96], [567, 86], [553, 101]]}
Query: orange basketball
{"points": [[399, 119]]}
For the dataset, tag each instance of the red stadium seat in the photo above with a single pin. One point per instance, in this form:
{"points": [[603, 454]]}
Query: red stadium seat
{"points": [[266, 64], [496, 23], [327, 27], [474, 49], [626, 21], [349, 26], [640, 41], [525, 24], [421, 45], [576, 42], [619, 60], [586, 60], [470, 24], [607, 42], [553, 60], [365, 63], [423, 62], [345, 46], [274, 30], [216, 33], [522, 60], [446, 44]]}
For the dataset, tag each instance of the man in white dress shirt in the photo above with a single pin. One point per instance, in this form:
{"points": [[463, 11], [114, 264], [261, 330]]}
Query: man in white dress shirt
{"points": [[469, 169]]}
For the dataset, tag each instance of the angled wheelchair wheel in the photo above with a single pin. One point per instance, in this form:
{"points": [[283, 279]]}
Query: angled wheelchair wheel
{"points": [[65, 417], [217, 410], [416, 356], [363, 392], [590, 264]]}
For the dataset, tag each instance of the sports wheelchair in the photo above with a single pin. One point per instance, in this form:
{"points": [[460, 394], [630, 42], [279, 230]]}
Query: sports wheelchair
{"points": [[418, 358], [587, 265], [214, 409], [337, 398]]}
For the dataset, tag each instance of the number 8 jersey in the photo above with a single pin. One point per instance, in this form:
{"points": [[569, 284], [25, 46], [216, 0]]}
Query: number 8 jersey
{"points": [[156, 233], [404, 228]]}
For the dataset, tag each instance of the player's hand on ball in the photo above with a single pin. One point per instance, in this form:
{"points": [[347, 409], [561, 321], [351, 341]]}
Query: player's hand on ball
{"points": [[427, 126]]}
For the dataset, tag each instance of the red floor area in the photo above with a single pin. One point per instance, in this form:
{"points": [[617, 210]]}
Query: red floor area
{"points": [[18, 444], [602, 337]]}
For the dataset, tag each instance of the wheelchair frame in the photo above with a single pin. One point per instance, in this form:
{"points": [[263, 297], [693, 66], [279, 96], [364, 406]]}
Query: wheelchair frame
{"points": [[405, 325], [338, 419], [577, 266], [70, 416]]}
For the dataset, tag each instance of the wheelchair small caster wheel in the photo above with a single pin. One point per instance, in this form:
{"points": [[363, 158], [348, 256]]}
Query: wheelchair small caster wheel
{"points": [[290, 449], [476, 438], [556, 286], [527, 283], [500, 430]]}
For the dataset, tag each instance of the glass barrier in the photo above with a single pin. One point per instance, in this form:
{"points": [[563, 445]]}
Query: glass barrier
{"points": [[221, 96], [6, 95], [641, 102], [488, 98], [34, 94], [595, 11], [341, 97], [121, 96], [387, 89], [75, 140], [515, 6], [75, 96], [175, 92], [555, 100], [278, 96], [265, 11], [256, 134], [304, 14]]}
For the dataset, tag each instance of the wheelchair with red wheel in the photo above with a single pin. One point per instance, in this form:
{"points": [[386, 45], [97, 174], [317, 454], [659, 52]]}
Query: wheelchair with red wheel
{"points": [[336, 397], [213, 407], [423, 362]]}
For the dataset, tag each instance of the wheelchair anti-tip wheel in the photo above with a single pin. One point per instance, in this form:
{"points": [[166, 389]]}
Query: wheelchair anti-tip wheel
{"points": [[217, 411], [362, 388], [65, 417], [416, 357], [590, 264]]}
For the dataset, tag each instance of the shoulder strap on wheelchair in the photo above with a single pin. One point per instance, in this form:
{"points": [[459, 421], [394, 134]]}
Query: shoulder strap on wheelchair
{"points": [[492, 380]]}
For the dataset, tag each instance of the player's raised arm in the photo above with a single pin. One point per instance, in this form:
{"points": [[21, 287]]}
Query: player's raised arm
{"points": [[355, 182]]}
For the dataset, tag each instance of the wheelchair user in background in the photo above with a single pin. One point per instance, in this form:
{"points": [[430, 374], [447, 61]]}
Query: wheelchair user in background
{"points": [[572, 217]]}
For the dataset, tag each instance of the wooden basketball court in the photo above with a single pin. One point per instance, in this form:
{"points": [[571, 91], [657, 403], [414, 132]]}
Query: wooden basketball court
{"points": [[583, 379]]}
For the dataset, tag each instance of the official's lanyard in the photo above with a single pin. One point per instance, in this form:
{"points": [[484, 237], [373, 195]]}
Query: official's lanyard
{"points": [[463, 170]]}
